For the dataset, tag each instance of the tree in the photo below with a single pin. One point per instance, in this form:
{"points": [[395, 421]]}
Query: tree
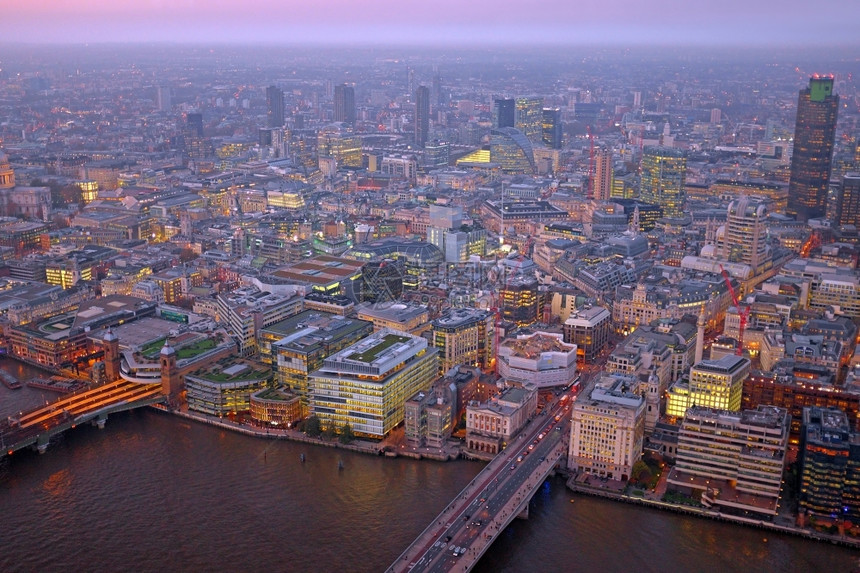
{"points": [[346, 434], [313, 428], [330, 431]]}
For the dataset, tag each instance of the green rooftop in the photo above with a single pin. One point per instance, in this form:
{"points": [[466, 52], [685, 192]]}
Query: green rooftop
{"points": [[373, 352]]}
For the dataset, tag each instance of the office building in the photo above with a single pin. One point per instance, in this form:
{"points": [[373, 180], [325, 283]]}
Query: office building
{"points": [[491, 425], [422, 116], [366, 385], [588, 328], [503, 113], [848, 201], [528, 117], [464, 336], [733, 460], [829, 467], [603, 175], [274, 106], [744, 237], [551, 127], [344, 104], [814, 135], [512, 151], [540, 360], [716, 384], [608, 429], [664, 173], [163, 100]]}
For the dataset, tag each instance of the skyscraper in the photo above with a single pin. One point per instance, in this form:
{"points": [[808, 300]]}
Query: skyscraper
{"points": [[848, 201], [551, 127], [602, 183], [422, 115], [529, 116], [503, 113], [344, 104], [745, 238], [664, 173], [162, 97], [275, 106], [814, 134]]}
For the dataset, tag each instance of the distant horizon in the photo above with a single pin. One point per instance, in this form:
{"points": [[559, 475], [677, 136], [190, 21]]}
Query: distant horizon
{"points": [[731, 23]]}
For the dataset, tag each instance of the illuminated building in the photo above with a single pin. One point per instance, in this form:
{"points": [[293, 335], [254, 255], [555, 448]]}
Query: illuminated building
{"points": [[298, 345], [826, 286], [551, 128], [793, 386], [503, 113], [814, 135], [403, 317], [733, 460], [775, 194], [341, 145], [247, 310], [89, 191], [220, 391], [500, 216], [464, 336], [274, 107], [511, 150], [275, 407], [603, 175], [744, 238], [366, 385], [7, 174], [520, 300], [716, 384], [848, 202], [539, 360], [490, 425], [829, 466], [175, 283], [344, 104], [422, 115], [429, 416], [588, 328], [608, 429], [528, 117], [664, 172], [436, 155]]}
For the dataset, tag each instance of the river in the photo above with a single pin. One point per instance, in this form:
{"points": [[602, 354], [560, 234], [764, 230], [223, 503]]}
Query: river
{"points": [[152, 492]]}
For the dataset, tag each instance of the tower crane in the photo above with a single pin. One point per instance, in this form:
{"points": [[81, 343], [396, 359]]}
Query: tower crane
{"points": [[743, 313]]}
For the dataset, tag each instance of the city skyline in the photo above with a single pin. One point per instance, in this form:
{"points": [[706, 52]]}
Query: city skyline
{"points": [[334, 22]]}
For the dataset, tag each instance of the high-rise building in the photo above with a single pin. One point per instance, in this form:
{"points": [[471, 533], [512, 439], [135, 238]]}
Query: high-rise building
{"points": [[194, 124], [528, 117], [602, 184], [814, 135], [732, 460], [464, 336], [366, 385], [163, 100], [664, 173], [422, 115], [829, 465], [716, 384], [503, 113], [551, 127], [745, 237], [344, 104], [275, 106], [848, 201]]}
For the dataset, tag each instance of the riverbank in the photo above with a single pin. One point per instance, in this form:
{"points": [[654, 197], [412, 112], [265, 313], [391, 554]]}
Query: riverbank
{"points": [[385, 447], [615, 490]]}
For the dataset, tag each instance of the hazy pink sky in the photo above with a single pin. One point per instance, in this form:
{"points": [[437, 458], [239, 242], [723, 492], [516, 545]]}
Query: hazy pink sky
{"points": [[434, 21]]}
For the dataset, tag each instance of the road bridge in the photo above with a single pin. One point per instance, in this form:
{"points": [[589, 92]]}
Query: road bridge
{"points": [[36, 427], [457, 538]]}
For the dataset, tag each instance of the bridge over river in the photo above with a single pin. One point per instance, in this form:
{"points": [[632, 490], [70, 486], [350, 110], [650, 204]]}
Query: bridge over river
{"points": [[457, 538], [36, 427]]}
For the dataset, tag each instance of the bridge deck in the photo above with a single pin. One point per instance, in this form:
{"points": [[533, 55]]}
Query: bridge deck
{"points": [[458, 536]]}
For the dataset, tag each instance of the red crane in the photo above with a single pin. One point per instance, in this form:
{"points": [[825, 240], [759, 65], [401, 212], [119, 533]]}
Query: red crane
{"points": [[743, 313]]}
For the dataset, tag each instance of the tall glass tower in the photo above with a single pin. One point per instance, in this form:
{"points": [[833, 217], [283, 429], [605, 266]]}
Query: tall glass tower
{"points": [[422, 115], [344, 104], [814, 134], [664, 174]]}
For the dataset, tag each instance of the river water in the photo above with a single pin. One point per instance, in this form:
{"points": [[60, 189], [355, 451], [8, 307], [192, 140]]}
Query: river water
{"points": [[152, 492]]}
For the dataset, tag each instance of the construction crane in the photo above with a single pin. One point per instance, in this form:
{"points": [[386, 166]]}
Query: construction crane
{"points": [[743, 313]]}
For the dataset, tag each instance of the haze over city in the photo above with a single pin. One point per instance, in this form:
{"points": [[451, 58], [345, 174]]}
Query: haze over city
{"points": [[445, 22]]}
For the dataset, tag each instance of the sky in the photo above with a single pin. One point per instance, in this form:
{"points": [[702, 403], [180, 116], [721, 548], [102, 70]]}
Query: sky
{"points": [[435, 22]]}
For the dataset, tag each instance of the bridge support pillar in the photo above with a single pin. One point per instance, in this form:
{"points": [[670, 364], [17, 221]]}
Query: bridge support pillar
{"points": [[524, 514], [100, 421], [42, 443]]}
